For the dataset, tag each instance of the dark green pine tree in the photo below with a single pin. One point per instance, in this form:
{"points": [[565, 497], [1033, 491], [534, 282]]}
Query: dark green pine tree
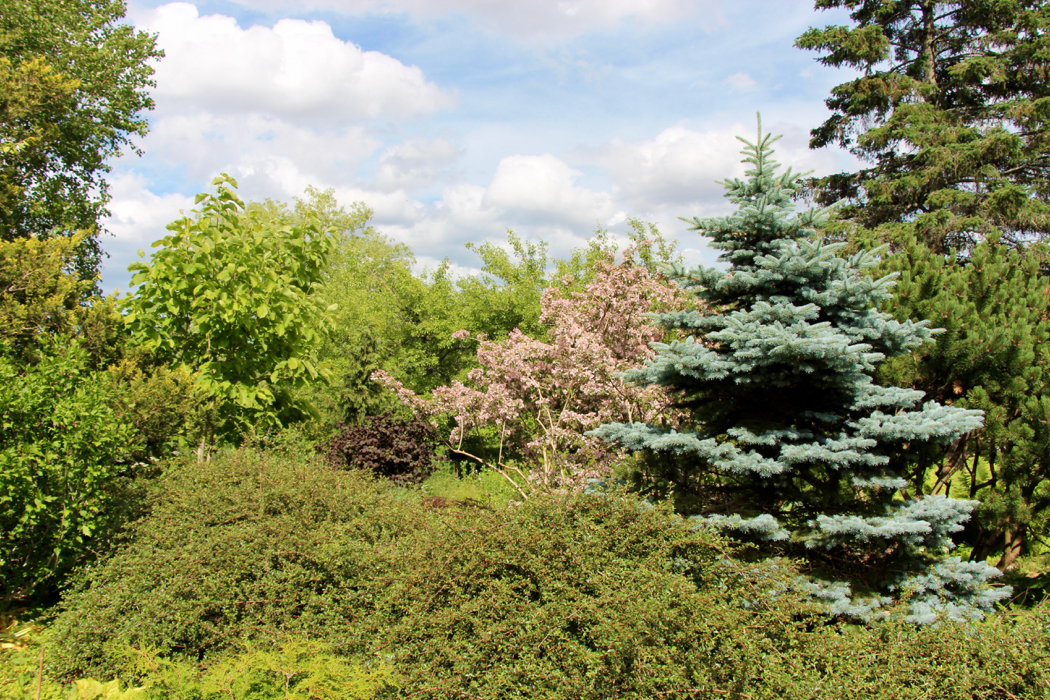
{"points": [[951, 111], [792, 445], [994, 356]]}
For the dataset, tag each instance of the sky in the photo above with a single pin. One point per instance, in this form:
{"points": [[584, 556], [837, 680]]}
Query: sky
{"points": [[456, 120]]}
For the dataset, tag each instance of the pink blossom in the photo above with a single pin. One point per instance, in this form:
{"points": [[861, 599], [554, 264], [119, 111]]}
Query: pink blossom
{"points": [[543, 396]]}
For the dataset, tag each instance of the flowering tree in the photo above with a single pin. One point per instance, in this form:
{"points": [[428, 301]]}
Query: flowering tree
{"points": [[542, 395]]}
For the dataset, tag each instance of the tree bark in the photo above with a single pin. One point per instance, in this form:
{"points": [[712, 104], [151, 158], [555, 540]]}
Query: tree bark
{"points": [[1013, 536]]}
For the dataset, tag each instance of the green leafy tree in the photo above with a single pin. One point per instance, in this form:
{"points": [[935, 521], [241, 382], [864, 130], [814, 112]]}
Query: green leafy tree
{"points": [[791, 443], [994, 356], [232, 295], [42, 298], [73, 83], [952, 112]]}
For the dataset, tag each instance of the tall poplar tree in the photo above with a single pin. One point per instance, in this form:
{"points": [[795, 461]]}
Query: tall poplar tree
{"points": [[792, 444], [952, 113]]}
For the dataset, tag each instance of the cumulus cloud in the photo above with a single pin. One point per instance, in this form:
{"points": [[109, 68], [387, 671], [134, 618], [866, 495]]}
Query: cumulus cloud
{"points": [[416, 162], [294, 68], [531, 19], [678, 170], [678, 167], [204, 142], [543, 190], [742, 82]]}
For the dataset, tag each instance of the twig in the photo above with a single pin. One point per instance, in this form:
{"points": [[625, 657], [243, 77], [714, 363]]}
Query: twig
{"points": [[499, 471], [40, 674]]}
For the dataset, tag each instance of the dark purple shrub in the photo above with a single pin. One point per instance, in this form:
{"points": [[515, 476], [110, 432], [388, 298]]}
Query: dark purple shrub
{"points": [[398, 449]]}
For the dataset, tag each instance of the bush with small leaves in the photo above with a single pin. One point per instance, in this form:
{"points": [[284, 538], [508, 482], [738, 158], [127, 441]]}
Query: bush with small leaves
{"points": [[589, 596], [397, 448]]}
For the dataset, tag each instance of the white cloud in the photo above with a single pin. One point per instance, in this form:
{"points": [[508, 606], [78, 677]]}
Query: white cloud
{"points": [[531, 19], [416, 162], [295, 68], [205, 143], [678, 168], [389, 208], [543, 189], [137, 216], [742, 82]]}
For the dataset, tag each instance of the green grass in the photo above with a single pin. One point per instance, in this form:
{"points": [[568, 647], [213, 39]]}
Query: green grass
{"points": [[486, 487]]}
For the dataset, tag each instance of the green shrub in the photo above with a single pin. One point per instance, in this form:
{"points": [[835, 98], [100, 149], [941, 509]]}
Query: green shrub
{"points": [[166, 407], [561, 597], [62, 450]]}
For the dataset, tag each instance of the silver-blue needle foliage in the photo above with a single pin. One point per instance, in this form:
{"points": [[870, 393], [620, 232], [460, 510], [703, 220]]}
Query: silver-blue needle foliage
{"points": [[792, 446]]}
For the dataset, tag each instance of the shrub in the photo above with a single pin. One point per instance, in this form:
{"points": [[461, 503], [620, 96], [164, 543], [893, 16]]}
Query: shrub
{"points": [[166, 407], [290, 670], [399, 449], [62, 450], [573, 596]]}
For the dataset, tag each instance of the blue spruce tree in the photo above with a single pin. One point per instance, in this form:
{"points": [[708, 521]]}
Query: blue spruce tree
{"points": [[792, 446]]}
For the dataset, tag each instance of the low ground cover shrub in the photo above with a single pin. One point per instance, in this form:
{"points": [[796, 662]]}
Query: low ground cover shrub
{"points": [[290, 670], [570, 596]]}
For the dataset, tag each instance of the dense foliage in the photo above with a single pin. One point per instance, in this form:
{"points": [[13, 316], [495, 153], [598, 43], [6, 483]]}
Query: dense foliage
{"points": [[62, 446], [399, 449], [951, 114], [994, 356], [573, 596], [952, 111], [790, 443], [73, 83], [539, 396], [41, 297], [289, 670], [781, 481], [230, 295]]}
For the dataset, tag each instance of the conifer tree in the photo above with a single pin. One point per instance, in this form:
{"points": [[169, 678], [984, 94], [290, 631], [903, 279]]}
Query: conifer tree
{"points": [[994, 356], [952, 114], [951, 111], [792, 445]]}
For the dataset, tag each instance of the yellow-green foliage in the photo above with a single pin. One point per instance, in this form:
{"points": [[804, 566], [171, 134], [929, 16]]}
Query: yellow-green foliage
{"points": [[41, 297], [485, 487], [292, 670], [164, 406]]}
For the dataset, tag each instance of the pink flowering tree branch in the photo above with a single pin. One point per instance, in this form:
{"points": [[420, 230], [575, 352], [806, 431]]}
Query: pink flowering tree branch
{"points": [[541, 396]]}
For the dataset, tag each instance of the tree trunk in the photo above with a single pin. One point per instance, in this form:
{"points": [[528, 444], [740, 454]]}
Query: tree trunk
{"points": [[1013, 536], [987, 541]]}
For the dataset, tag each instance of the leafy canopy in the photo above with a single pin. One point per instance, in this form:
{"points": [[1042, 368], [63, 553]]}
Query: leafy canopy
{"points": [[73, 83], [232, 295]]}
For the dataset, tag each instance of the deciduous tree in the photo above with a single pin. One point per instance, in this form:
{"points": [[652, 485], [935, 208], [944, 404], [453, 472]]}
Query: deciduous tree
{"points": [[538, 397], [74, 82], [232, 296]]}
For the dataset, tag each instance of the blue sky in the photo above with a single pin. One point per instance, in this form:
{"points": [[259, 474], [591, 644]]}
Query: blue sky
{"points": [[455, 120]]}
